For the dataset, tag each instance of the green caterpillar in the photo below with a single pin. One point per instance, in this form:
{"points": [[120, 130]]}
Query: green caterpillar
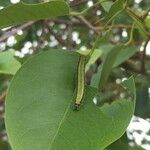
{"points": [[80, 82]]}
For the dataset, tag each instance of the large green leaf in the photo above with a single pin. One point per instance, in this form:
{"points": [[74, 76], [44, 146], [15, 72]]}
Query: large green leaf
{"points": [[8, 64], [115, 9], [39, 108], [21, 12]]}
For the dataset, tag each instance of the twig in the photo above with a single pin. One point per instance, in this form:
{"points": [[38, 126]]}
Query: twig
{"points": [[70, 41], [96, 28], [143, 69], [57, 36], [82, 21], [145, 14], [2, 97], [15, 30], [77, 3], [129, 65], [41, 38], [127, 26], [138, 56], [87, 23], [131, 36]]}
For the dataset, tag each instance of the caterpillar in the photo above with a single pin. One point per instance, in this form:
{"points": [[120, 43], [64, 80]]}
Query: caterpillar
{"points": [[80, 82]]}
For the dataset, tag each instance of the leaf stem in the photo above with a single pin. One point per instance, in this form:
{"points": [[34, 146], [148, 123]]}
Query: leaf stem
{"points": [[131, 36]]}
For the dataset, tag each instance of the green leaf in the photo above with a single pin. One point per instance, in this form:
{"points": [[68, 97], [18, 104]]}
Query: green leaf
{"points": [[111, 60], [8, 64], [21, 12], [39, 112], [107, 5], [142, 102], [115, 9], [139, 23], [130, 86], [96, 50], [96, 54], [125, 54], [108, 64], [123, 142]]}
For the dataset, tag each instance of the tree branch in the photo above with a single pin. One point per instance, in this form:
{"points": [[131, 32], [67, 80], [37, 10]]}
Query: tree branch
{"points": [[57, 36], [87, 23], [15, 30]]}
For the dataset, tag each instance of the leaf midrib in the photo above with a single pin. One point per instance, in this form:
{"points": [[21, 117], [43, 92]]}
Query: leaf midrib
{"points": [[61, 122]]}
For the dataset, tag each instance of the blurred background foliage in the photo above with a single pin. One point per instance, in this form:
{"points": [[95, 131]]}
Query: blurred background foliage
{"points": [[79, 32]]}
